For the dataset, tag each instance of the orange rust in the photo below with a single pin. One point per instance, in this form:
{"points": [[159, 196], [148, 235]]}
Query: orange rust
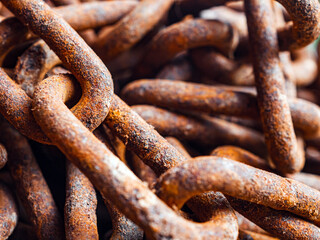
{"points": [[80, 206], [8, 212], [111, 176], [132, 28], [31, 186]]}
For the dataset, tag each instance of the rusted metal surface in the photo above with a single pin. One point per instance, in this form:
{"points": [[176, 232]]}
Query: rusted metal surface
{"points": [[104, 169], [247, 235], [240, 181], [216, 100], [8, 212], [208, 131], [132, 28], [305, 25], [33, 65], [189, 33], [274, 109], [152, 187], [243, 156], [122, 227], [13, 32], [279, 223], [80, 207], [31, 186], [246, 224], [3, 156], [74, 53]]}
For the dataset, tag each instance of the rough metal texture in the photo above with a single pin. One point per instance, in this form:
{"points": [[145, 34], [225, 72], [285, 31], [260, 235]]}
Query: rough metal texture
{"points": [[279, 223], [274, 109], [158, 154], [33, 65], [305, 15], [207, 131], [3, 156], [80, 206], [13, 32], [132, 28], [122, 227], [114, 180], [31, 186], [190, 33], [243, 156], [247, 235], [74, 53], [241, 181], [8, 212], [216, 100]]}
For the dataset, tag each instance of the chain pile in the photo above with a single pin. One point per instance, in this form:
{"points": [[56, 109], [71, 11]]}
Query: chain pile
{"points": [[159, 119]]}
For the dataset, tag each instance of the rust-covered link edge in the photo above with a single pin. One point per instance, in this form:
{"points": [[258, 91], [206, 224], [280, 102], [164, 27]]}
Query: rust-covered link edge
{"points": [[203, 98], [114, 180], [132, 28], [3, 156], [272, 101], [8, 212], [31, 186], [181, 36], [241, 181], [80, 17], [81, 60], [80, 206]]}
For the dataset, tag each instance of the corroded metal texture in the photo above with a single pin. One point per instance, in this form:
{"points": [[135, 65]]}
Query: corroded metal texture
{"points": [[104, 169], [3, 156], [248, 235], [8, 212], [80, 206], [243, 156], [31, 186], [238, 180], [122, 227], [231, 101], [274, 109], [74, 53], [190, 33], [14, 32], [207, 131], [132, 28], [306, 24], [33, 65], [279, 223]]}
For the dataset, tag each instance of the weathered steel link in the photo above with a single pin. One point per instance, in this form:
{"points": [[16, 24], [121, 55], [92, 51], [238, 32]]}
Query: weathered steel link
{"points": [[132, 28], [3, 156], [74, 53], [189, 33], [33, 65], [208, 131], [8, 212], [31, 186], [243, 156], [80, 207], [154, 170], [216, 100], [273, 106], [14, 32], [104, 169], [279, 223], [122, 227], [240, 181]]}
